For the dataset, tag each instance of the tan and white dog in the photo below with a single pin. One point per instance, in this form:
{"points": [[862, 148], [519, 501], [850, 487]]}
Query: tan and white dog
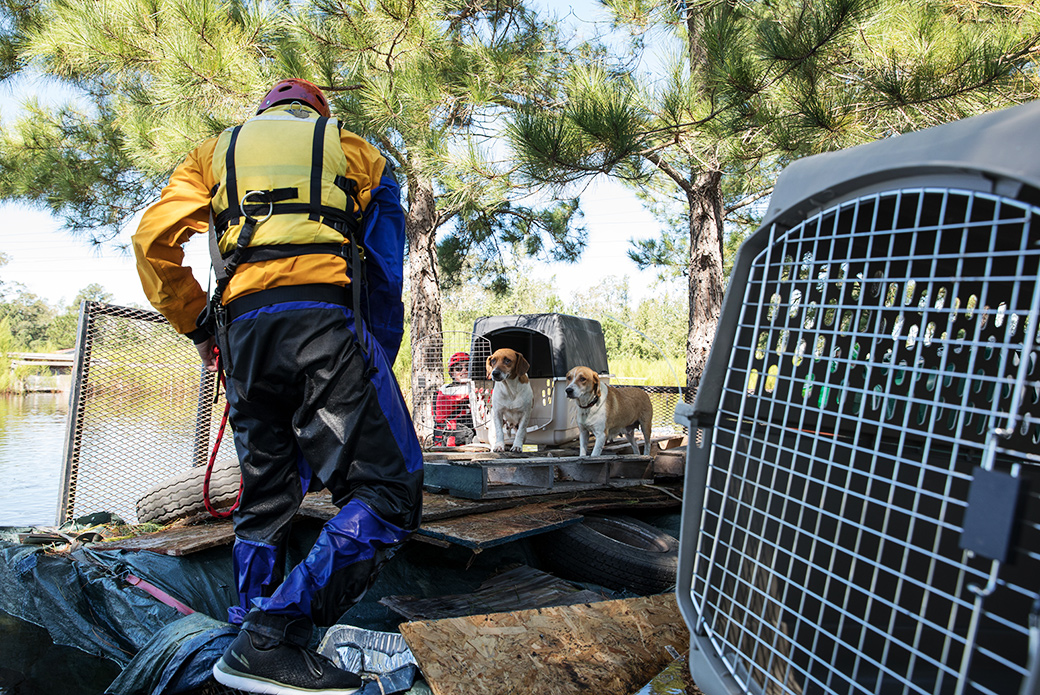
{"points": [[607, 411], [512, 398]]}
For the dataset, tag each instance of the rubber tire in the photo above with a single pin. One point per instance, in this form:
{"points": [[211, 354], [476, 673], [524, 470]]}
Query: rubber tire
{"points": [[181, 496], [616, 552]]}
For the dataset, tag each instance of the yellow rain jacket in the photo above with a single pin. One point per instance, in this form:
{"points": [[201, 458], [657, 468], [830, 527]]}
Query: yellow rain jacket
{"points": [[183, 209]]}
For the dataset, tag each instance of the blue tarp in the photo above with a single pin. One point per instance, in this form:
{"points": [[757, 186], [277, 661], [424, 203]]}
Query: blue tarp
{"points": [[80, 598]]}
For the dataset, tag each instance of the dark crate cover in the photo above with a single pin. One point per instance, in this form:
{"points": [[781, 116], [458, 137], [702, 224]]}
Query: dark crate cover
{"points": [[551, 343]]}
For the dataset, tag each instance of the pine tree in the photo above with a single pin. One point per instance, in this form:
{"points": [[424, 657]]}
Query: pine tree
{"points": [[425, 81], [740, 88]]}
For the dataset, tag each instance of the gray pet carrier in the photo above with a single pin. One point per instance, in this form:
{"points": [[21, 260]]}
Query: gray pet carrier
{"points": [[862, 509], [552, 344]]}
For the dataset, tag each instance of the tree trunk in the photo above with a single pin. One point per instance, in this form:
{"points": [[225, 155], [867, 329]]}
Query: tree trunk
{"points": [[427, 368], [705, 272]]}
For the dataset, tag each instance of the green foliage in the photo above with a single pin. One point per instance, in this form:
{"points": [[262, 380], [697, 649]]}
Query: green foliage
{"points": [[27, 318], [644, 344], [73, 163], [479, 248], [8, 344], [62, 331]]}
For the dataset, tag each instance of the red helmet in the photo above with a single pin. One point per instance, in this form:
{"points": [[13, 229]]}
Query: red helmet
{"points": [[296, 90], [456, 358]]}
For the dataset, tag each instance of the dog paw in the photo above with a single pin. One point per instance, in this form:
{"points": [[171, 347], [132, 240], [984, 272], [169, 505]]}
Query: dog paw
{"points": [[498, 447], [517, 447]]}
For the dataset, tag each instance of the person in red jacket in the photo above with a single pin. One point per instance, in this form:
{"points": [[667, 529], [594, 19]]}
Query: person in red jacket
{"points": [[452, 418], [289, 195]]}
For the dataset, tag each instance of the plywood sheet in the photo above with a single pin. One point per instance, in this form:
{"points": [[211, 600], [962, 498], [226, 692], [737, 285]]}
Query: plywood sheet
{"points": [[608, 648]]}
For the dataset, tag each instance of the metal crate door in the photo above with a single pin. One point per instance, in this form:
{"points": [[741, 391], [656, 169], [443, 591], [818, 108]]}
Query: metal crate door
{"points": [[882, 374]]}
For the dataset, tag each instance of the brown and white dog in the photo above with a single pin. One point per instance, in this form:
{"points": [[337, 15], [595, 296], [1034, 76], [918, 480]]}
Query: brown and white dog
{"points": [[512, 398], [607, 411]]}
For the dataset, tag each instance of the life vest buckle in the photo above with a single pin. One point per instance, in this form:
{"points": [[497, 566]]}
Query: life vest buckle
{"points": [[270, 206]]}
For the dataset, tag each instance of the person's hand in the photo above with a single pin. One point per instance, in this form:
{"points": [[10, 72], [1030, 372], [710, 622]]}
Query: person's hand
{"points": [[208, 353]]}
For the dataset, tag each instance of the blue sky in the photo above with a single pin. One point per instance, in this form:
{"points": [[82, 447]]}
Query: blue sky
{"points": [[53, 264]]}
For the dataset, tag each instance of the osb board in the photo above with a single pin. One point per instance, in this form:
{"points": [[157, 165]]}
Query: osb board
{"points": [[608, 648]]}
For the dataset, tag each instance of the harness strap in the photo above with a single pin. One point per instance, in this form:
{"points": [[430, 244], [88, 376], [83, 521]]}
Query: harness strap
{"points": [[359, 320], [329, 294], [334, 217], [343, 221], [256, 254], [317, 160], [232, 179]]}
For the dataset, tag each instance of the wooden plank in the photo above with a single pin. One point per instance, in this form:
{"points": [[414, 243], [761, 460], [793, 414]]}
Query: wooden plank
{"points": [[608, 648], [517, 589], [178, 541], [470, 523], [480, 531], [437, 506]]}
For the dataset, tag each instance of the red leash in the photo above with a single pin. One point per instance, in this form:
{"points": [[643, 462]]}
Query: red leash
{"points": [[213, 456]]}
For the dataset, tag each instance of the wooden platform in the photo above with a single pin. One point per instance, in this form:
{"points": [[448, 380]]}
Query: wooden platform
{"points": [[474, 524], [487, 479], [473, 472]]}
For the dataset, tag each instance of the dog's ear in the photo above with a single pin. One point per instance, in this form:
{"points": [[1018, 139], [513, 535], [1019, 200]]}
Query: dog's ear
{"points": [[489, 367], [595, 383], [521, 368]]}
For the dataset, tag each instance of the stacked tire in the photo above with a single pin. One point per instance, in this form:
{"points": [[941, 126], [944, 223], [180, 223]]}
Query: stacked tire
{"points": [[619, 553], [181, 496]]}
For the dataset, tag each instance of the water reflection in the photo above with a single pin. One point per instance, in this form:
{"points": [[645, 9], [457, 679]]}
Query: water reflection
{"points": [[32, 440]]}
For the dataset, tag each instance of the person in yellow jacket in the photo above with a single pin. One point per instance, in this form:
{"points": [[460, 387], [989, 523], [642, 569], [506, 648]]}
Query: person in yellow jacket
{"points": [[291, 196]]}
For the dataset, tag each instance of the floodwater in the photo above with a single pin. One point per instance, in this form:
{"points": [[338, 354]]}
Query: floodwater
{"points": [[32, 440]]}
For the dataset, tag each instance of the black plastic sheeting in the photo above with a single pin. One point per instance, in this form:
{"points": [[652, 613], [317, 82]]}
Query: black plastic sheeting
{"points": [[551, 343], [81, 604], [82, 600]]}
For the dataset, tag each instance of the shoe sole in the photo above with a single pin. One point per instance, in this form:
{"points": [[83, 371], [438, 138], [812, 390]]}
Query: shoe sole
{"points": [[228, 676]]}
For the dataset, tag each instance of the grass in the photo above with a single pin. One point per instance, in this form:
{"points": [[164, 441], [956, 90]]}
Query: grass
{"points": [[636, 371]]}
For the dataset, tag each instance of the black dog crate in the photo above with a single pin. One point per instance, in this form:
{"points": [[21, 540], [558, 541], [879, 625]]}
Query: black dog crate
{"points": [[552, 344], [862, 508]]}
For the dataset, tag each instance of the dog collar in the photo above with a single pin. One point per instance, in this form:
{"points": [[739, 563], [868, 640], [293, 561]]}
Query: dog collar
{"points": [[591, 403]]}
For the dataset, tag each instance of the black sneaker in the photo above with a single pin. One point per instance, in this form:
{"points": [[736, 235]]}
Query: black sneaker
{"points": [[257, 665]]}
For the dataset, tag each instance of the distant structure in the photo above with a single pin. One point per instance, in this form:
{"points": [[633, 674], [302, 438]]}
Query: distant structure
{"points": [[52, 371]]}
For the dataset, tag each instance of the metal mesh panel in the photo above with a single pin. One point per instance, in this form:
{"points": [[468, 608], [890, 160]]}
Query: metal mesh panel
{"points": [[142, 410], [884, 356], [435, 351], [664, 400]]}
